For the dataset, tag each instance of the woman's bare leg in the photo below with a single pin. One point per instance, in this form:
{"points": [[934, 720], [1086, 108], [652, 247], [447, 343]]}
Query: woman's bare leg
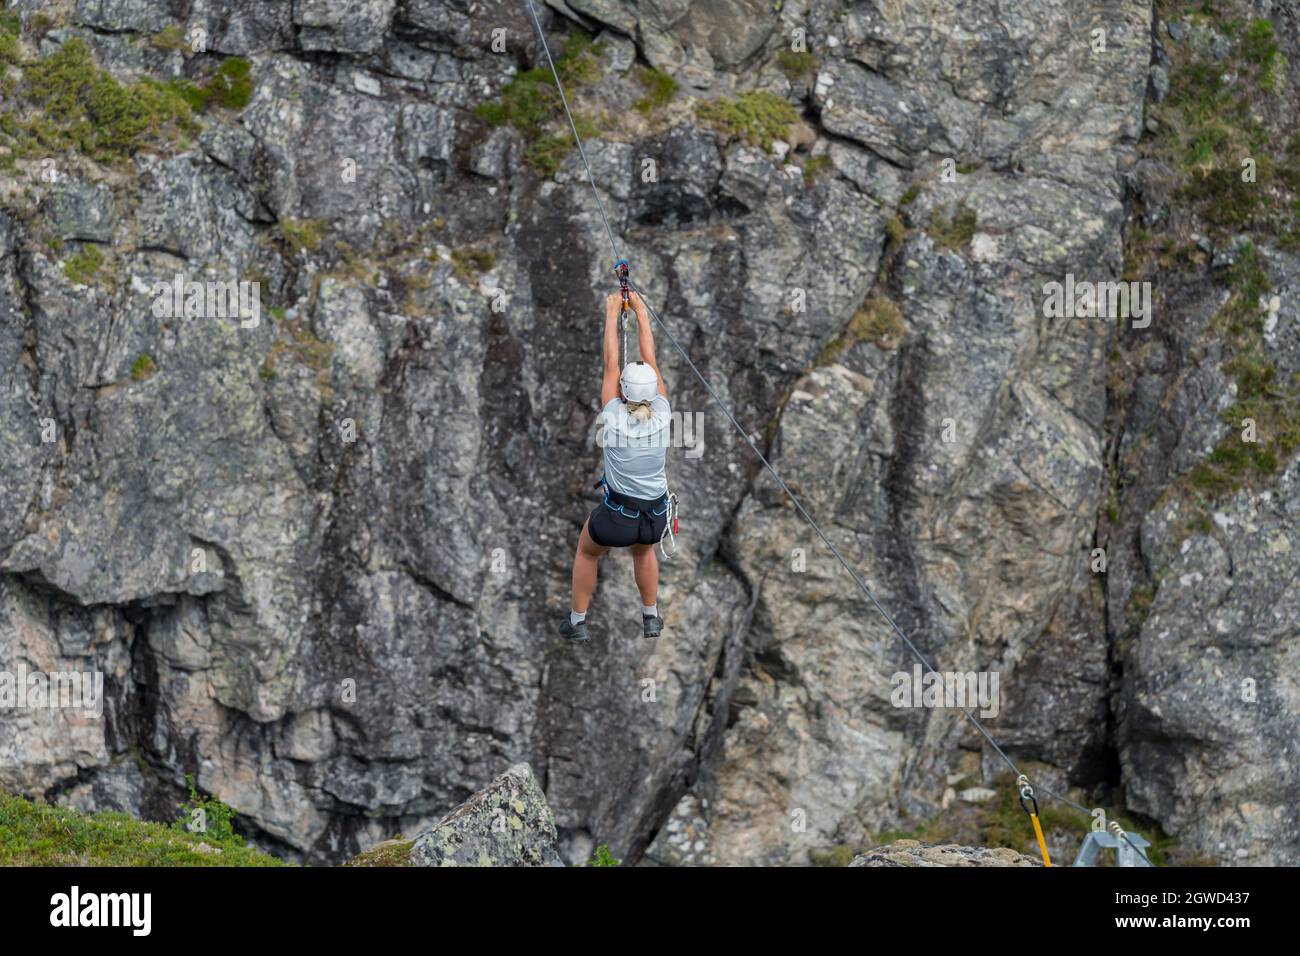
{"points": [[645, 565], [586, 562]]}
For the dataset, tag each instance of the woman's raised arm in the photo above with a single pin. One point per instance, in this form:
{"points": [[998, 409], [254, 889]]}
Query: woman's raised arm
{"points": [[609, 382], [646, 340]]}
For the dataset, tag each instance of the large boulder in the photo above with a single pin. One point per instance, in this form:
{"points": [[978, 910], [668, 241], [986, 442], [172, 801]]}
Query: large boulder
{"points": [[507, 823]]}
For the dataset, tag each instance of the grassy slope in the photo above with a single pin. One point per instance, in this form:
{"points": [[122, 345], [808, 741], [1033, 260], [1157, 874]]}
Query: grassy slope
{"points": [[36, 834]]}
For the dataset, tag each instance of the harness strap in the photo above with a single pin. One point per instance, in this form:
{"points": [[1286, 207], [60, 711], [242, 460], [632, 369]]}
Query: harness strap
{"points": [[620, 504]]}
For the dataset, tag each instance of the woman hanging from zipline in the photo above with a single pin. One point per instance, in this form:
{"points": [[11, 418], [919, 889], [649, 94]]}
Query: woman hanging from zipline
{"points": [[635, 426]]}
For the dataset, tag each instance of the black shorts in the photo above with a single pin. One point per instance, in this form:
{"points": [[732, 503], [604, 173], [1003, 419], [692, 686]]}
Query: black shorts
{"points": [[621, 521]]}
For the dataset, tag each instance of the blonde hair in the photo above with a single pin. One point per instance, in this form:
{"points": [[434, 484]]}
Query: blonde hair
{"points": [[641, 411]]}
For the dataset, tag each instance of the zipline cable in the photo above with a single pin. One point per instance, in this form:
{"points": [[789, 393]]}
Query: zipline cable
{"points": [[622, 319], [613, 244], [862, 586]]}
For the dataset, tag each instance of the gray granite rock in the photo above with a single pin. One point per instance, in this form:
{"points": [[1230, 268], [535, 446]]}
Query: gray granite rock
{"points": [[320, 558], [507, 823], [912, 853]]}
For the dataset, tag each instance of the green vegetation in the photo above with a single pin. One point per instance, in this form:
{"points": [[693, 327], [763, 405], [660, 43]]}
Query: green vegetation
{"points": [[170, 39], [895, 233], [390, 853], [1211, 130], [1258, 46], [1001, 822], [878, 321], [1139, 604], [37, 834], [77, 106], [1273, 405], [310, 350], [909, 197], [1215, 132], [1218, 123], [303, 235], [840, 855], [298, 342], [207, 815], [10, 26], [470, 261], [545, 153], [955, 230], [82, 268], [231, 87], [660, 88], [531, 104], [814, 166], [1164, 252], [41, 23], [757, 118], [602, 857], [143, 368], [797, 64]]}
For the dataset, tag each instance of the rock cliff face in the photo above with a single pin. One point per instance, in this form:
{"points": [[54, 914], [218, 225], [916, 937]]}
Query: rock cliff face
{"points": [[318, 547]]}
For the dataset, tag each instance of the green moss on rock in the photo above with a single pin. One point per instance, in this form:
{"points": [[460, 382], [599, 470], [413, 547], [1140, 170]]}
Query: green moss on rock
{"points": [[878, 321], [390, 853], [757, 118], [469, 261], [79, 107], [144, 367], [955, 229], [531, 104], [82, 268], [797, 64], [303, 235], [660, 89]]}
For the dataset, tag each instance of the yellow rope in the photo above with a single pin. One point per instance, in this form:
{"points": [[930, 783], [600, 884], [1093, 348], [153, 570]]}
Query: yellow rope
{"points": [[1042, 844]]}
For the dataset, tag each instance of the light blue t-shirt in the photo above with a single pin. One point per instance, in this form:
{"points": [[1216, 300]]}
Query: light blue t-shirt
{"points": [[635, 452]]}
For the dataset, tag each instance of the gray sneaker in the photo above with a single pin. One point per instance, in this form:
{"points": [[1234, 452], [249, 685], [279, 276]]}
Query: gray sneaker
{"points": [[652, 625], [574, 632]]}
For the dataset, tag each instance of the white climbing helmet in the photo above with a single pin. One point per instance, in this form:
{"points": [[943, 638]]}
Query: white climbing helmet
{"points": [[639, 382]]}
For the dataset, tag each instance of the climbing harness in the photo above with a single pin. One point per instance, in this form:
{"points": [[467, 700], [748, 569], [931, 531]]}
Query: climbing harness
{"points": [[1027, 793], [667, 506], [623, 509], [776, 476]]}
